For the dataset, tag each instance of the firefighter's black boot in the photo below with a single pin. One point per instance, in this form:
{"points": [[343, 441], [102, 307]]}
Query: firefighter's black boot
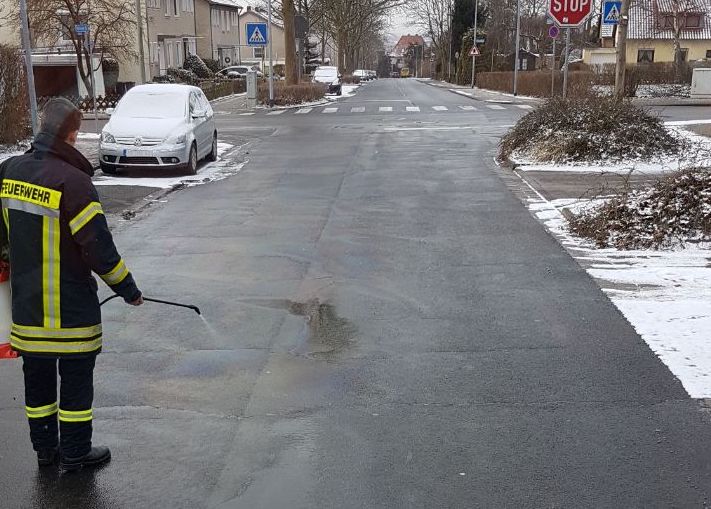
{"points": [[95, 457], [47, 457]]}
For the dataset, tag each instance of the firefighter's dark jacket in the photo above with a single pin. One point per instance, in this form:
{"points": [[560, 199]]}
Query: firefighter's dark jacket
{"points": [[57, 236]]}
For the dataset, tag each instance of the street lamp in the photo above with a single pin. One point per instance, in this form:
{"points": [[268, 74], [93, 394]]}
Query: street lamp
{"points": [[449, 60]]}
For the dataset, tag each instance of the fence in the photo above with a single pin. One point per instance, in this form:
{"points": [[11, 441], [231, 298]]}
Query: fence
{"points": [[86, 103], [214, 89]]}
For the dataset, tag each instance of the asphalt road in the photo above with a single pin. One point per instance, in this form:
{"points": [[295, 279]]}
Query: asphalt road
{"points": [[385, 326]]}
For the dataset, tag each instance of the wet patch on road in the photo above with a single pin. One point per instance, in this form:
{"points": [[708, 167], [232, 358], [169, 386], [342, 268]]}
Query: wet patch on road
{"points": [[325, 333]]}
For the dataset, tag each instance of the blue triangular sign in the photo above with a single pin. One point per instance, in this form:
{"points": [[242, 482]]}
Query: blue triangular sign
{"points": [[257, 36]]}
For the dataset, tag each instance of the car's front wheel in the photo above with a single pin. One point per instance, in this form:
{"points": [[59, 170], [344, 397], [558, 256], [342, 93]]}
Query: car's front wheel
{"points": [[212, 156], [191, 165]]}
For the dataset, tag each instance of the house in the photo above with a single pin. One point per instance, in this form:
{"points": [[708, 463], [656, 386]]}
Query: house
{"points": [[218, 30], [404, 43], [171, 33], [650, 37], [259, 55]]}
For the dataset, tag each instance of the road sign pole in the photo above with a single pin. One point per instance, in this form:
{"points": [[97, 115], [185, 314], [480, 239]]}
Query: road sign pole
{"points": [[553, 71], [271, 60], [567, 63], [476, 35], [518, 47], [27, 47]]}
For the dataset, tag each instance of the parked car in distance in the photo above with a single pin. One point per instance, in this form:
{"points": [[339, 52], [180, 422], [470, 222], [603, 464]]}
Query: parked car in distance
{"points": [[238, 72], [159, 126], [405, 72], [329, 76], [373, 75], [362, 74], [395, 74]]}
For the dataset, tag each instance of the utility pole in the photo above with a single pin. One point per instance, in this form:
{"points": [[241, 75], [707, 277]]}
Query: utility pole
{"points": [[622, 50], [141, 53], [518, 46], [449, 60], [27, 47], [567, 67], [476, 35], [90, 48], [271, 60]]}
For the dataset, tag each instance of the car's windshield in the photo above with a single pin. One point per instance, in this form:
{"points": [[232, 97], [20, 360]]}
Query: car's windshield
{"points": [[325, 73], [151, 105]]}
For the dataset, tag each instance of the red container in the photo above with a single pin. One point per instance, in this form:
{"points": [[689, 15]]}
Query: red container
{"points": [[6, 352]]}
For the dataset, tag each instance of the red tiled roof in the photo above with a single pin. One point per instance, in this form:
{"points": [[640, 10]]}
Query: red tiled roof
{"points": [[646, 18], [406, 41]]}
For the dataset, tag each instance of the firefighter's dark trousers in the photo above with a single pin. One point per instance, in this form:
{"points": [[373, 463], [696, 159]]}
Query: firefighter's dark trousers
{"points": [[73, 410]]}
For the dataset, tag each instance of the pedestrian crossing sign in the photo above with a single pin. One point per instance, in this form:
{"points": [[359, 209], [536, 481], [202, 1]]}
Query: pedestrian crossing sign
{"points": [[257, 34], [611, 12]]}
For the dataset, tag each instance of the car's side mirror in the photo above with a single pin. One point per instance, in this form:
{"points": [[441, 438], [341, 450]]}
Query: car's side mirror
{"points": [[199, 114], [109, 111]]}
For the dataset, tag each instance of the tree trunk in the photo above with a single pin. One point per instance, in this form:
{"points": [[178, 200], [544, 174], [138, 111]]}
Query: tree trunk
{"points": [[291, 70], [621, 65], [342, 38]]}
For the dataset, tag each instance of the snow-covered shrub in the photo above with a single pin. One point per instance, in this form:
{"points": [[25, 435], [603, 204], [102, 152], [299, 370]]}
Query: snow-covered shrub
{"points": [[212, 64], [586, 127], [287, 95], [182, 76], [163, 79], [196, 65], [674, 210]]}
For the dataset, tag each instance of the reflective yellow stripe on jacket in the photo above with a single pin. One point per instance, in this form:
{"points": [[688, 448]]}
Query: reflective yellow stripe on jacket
{"points": [[116, 275], [51, 272], [83, 217], [50, 340]]}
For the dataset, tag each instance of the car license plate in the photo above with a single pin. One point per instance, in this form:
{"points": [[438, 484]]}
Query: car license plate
{"points": [[139, 153]]}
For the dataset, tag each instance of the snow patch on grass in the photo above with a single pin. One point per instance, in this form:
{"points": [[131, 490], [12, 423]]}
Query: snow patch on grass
{"points": [[665, 295]]}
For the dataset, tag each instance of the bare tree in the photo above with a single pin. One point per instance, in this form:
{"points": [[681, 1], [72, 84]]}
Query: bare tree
{"points": [[112, 23], [433, 17]]}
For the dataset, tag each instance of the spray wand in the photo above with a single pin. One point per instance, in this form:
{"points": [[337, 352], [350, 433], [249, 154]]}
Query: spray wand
{"points": [[166, 302]]}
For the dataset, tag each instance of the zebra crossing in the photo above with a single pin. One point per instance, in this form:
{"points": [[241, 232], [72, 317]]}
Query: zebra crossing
{"points": [[377, 109]]}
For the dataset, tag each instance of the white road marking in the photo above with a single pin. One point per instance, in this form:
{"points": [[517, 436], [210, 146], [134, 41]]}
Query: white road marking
{"points": [[246, 114], [358, 109], [440, 108], [524, 106], [385, 108], [461, 92], [304, 111], [330, 110], [276, 112], [468, 108], [432, 128], [413, 108], [495, 107]]}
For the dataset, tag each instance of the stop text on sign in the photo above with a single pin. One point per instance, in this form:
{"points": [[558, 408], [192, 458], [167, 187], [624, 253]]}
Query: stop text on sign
{"points": [[569, 13]]}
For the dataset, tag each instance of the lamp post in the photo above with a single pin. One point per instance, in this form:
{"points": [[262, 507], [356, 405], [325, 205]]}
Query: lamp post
{"points": [[25, 30], [449, 60], [239, 36], [476, 35]]}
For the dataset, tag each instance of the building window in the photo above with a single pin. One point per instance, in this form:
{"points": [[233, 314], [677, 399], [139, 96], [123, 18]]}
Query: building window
{"points": [[645, 56], [176, 8], [258, 52], [215, 18], [708, 54], [693, 21], [684, 54], [153, 4]]}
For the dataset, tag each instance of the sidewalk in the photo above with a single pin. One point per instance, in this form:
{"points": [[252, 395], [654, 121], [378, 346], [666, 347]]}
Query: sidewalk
{"points": [[480, 94]]}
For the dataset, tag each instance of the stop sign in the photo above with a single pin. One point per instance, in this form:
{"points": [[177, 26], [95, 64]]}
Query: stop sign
{"points": [[569, 13]]}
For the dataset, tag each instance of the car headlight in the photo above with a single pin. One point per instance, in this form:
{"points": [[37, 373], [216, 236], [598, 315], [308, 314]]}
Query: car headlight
{"points": [[107, 137], [178, 139]]}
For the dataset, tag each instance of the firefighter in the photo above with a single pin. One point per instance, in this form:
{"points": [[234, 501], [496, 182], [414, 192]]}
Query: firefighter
{"points": [[57, 235]]}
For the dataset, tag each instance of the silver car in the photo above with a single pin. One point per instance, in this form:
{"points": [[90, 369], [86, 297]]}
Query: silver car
{"points": [[158, 125]]}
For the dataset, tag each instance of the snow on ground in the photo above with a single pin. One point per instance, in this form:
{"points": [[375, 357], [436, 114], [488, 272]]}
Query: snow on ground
{"points": [[665, 295], [211, 172], [9, 154], [698, 153]]}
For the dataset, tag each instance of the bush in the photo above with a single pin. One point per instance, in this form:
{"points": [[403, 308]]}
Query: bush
{"points": [[675, 210], [532, 83], [196, 65], [287, 95], [588, 128], [163, 79], [212, 64], [182, 76], [15, 124]]}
